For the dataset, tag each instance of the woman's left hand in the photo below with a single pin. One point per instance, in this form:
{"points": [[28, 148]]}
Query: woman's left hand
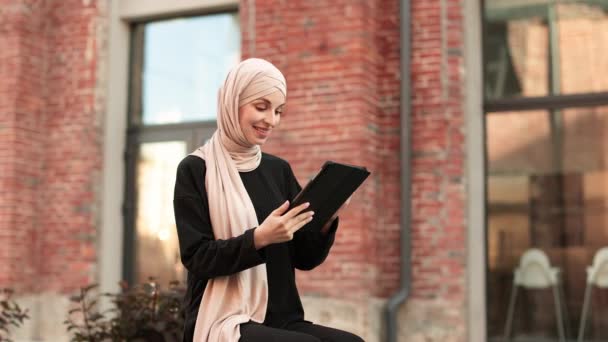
{"points": [[331, 220]]}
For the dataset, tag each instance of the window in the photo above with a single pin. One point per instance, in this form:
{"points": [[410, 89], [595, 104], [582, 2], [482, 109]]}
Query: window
{"points": [[540, 47], [177, 68], [546, 122]]}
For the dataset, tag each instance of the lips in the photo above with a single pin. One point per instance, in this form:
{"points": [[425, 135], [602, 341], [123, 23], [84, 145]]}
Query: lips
{"points": [[262, 131]]}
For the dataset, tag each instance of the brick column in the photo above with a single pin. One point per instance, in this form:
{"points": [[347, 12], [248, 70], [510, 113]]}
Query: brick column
{"points": [[23, 50], [73, 139], [50, 155], [438, 184], [341, 60]]}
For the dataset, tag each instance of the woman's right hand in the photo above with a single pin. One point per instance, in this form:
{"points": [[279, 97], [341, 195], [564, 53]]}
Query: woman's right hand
{"points": [[279, 227]]}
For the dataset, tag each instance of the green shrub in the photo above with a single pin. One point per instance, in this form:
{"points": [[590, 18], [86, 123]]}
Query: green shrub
{"points": [[141, 313]]}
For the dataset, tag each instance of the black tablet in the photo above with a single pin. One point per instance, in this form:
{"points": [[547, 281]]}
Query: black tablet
{"points": [[329, 189]]}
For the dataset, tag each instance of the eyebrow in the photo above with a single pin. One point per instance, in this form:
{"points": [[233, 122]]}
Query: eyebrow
{"points": [[268, 102]]}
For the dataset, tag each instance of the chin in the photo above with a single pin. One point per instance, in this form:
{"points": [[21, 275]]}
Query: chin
{"points": [[258, 141]]}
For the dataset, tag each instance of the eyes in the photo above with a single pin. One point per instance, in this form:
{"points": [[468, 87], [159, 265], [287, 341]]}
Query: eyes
{"points": [[261, 107]]}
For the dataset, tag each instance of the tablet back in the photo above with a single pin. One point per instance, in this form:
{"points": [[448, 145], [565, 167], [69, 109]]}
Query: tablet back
{"points": [[329, 189]]}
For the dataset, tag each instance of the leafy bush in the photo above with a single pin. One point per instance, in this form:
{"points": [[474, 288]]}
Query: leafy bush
{"points": [[140, 313]]}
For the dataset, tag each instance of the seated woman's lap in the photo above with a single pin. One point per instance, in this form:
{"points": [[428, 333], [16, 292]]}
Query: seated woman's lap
{"points": [[295, 332], [255, 332]]}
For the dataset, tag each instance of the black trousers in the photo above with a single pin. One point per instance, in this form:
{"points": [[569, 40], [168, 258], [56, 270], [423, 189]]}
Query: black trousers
{"points": [[295, 332]]}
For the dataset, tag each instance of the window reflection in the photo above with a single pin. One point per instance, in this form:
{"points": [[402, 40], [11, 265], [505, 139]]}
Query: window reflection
{"points": [[547, 189], [157, 248], [185, 62], [541, 47]]}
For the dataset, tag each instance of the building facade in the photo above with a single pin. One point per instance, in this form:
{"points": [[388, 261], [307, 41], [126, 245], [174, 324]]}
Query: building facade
{"points": [[484, 124]]}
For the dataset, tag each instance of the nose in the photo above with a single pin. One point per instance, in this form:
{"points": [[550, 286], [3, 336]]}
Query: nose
{"points": [[271, 119]]}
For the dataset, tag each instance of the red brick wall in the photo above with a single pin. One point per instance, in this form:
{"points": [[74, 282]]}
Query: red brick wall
{"points": [[50, 153], [386, 232], [22, 69], [438, 139], [341, 60]]}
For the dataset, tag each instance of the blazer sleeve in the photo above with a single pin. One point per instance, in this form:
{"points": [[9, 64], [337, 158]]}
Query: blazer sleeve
{"points": [[309, 247], [201, 254]]}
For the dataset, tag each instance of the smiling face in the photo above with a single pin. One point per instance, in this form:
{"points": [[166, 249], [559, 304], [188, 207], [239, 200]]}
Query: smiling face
{"points": [[259, 117]]}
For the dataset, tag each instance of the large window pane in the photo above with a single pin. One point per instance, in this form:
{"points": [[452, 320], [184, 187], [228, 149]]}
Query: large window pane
{"points": [[547, 189], [184, 63], [177, 67], [545, 47], [157, 248]]}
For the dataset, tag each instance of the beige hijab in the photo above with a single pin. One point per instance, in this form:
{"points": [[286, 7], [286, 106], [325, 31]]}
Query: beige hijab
{"points": [[231, 300]]}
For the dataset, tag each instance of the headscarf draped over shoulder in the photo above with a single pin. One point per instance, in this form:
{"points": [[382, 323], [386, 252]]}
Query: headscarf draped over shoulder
{"points": [[238, 298]]}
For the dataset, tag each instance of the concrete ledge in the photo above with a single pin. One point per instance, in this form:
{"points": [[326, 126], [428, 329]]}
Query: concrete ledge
{"points": [[419, 320], [361, 317], [47, 312], [422, 320]]}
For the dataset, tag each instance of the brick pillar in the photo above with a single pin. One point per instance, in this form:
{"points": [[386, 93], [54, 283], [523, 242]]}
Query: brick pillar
{"points": [[438, 184], [22, 140], [341, 61], [50, 155], [73, 138]]}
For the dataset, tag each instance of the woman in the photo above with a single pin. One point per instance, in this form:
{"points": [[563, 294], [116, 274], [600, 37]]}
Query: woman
{"points": [[241, 278]]}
